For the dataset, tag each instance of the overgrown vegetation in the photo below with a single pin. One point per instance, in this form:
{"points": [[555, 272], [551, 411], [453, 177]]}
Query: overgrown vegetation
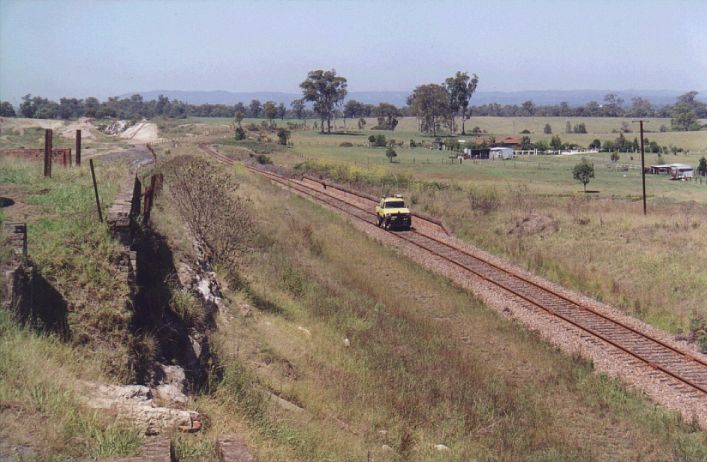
{"points": [[74, 258], [345, 334]]}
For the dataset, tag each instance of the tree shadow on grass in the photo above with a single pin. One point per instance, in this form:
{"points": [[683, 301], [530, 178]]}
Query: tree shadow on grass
{"points": [[36, 303]]}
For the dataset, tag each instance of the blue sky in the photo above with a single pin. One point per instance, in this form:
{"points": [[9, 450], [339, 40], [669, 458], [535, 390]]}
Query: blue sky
{"points": [[101, 48]]}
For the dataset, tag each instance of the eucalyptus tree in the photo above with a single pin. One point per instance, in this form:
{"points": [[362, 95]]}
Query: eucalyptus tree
{"points": [[326, 91]]}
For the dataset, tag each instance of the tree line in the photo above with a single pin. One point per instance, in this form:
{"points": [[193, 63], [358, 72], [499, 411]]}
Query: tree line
{"points": [[436, 106]]}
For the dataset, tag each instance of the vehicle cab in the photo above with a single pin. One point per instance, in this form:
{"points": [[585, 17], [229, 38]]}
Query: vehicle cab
{"points": [[392, 213]]}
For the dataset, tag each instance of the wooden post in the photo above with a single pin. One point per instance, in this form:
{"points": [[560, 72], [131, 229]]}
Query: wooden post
{"points": [[95, 190], [48, 152], [78, 148], [643, 171]]}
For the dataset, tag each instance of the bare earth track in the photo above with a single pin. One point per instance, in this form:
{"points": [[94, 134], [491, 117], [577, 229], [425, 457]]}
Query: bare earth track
{"points": [[669, 373]]}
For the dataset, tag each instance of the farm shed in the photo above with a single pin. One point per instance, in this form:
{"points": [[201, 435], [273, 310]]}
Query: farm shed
{"points": [[677, 171], [659, 169], [680, 171], [477, 153], [501, 153]]}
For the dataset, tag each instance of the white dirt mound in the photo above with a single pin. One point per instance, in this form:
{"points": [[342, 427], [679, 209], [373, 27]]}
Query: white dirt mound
{"points": [[141, 132]]}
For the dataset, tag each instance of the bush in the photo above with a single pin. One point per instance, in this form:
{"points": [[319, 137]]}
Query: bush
{"points": [[240, 134], [345, 144], [390, 153], [380, 141], [283, 136], [205, 196], [262, 159]]}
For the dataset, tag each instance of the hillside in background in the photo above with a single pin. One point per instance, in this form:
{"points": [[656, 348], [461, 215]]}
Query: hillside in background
{"points": [[540, 97]]}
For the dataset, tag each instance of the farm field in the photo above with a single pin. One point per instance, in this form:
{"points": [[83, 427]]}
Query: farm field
{"points": [[531, 211]]}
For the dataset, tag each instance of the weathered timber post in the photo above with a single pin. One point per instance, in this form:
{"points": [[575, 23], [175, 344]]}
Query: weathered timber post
{"points": [[78, 148], [48, 152], [95, 190]]}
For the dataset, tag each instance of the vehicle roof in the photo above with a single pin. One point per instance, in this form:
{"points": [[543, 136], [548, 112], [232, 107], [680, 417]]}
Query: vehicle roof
{"points": [[393, 199]]}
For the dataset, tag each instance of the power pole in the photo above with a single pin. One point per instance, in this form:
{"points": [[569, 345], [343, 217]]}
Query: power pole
{"points": [[643, 170]]}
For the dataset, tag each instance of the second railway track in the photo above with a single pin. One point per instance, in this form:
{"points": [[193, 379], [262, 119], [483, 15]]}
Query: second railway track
{"points": [[682, 370]]}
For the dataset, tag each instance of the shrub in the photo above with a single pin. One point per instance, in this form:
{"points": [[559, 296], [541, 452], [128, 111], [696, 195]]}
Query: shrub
{"points": [[283, 136], [240, 133], [380, 141], [346, 144], [262, 159]]}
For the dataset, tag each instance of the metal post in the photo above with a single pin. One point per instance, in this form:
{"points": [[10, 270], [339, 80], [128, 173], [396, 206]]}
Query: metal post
{"points": [[95, 190], [48, 152], [78, 148], [643, 170]]}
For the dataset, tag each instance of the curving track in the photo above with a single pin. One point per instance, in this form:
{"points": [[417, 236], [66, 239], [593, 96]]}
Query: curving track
{"points": [[682, 371]]}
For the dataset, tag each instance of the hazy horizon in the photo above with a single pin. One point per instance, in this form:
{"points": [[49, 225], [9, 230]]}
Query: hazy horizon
{"points": [[109, 48]]}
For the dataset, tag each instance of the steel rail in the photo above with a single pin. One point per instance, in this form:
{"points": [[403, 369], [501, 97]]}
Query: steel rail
{"points": [[307, 190]]}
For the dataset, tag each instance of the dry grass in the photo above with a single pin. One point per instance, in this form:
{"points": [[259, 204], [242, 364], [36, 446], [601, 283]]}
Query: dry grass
{"points": [[426, 363]]}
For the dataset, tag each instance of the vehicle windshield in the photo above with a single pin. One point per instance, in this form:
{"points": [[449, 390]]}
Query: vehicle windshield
{"points": [[395, 205]]}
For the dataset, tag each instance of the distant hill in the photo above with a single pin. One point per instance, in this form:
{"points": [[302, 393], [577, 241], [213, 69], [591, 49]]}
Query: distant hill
{"points": [[539, 97]]}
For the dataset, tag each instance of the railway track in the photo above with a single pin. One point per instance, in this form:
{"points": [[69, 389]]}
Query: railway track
{"points": [[681, 370]]}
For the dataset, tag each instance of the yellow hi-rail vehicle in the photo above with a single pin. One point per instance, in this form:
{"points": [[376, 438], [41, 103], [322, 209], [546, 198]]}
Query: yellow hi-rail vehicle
{"points": [[392, 213]]}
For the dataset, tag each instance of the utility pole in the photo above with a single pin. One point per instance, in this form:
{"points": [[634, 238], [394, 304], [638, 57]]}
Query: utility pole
{"points": [[643, 170]]}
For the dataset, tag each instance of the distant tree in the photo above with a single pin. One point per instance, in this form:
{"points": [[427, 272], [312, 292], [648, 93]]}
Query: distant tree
{"points": [[6, 109], [430, 104], [596, 144], [380, 140], [580, 128], [556, 143], [387, 116], [613, 105], [641, 107], [583, 172], [255, 108], [568, 127], [541, 145], [326, 90], [239, 117], [615, 157], [702, 167], [281, 111], [460, 89], [283, 136], [297, 108], [635, 145], [525, 131], [525, 143], [390, 153], [91, 106], [683, 118], [353, 109], [547, 129], [372, 140], [361, 123], [528, 108], [270, 111]]}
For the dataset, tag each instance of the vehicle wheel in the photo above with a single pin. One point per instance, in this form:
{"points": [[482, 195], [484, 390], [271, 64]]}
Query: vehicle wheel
{"points": [[386, 225], [380, 221]]}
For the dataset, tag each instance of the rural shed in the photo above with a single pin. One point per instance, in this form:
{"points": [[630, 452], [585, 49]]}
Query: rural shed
{"points": [[677, 171], [501, 153], [680, 171]]}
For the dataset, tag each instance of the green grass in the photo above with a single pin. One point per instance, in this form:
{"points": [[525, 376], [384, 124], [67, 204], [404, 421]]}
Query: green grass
{"points": [[74, 255], [38, 375]]}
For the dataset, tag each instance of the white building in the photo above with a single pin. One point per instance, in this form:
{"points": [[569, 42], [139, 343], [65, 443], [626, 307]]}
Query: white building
{"points": [[501, 153], [680, 171]]}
